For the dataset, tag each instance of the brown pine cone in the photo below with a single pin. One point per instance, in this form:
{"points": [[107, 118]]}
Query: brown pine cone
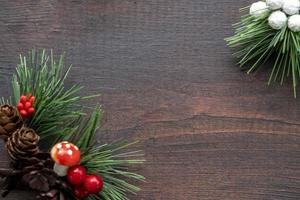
{"points": [[9, 121], [36, 173], [23, 144]]}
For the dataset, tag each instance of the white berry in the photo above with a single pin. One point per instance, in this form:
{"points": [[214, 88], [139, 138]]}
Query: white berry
{"points": [[275, 4], [277, 20], [258, 8], [294, 23], [291, 7]]}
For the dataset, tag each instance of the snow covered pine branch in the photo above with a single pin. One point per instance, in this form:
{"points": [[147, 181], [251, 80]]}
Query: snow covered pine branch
{"points": [[270, 30]]}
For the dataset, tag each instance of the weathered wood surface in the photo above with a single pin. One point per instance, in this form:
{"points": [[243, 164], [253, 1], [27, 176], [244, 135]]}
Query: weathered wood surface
{"points": [[167, 79]]}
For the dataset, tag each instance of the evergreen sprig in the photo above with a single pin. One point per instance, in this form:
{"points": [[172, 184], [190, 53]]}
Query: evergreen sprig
{"points": [[56, 106], [257, 42], [108, 160], [111, 162]]}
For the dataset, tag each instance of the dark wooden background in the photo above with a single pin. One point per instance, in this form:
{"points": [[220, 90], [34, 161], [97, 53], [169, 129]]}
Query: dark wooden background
{"points": [[209, 131]]}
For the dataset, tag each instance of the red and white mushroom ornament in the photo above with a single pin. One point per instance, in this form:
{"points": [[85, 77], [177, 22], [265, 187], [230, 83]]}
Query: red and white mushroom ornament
{"points": [[65, 155]]}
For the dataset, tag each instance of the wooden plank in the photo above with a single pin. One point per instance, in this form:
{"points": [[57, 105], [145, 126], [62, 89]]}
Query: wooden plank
{"points": [[167, 79]]}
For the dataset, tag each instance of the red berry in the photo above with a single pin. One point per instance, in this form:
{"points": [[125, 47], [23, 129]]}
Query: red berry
{"points": [[76, 175], [93, 184], [31, 110], [23, 99], [20, 106], [80, 192], [28, 105], [24, 113], [32, 100]]}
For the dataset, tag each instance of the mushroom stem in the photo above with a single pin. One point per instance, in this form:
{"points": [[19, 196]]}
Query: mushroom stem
{"points": [[60, 170]]}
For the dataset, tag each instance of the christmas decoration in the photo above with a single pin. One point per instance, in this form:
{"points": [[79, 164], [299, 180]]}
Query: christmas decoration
{"points": [[277, 20], [65, 155], [25, 106], [259, 8], [46, 111], [76, 175], [291, 7], [9, 121], [294, 23], [274, 4], [84, 184], [93, 184], [35, 173], [22, 144], [80, 192], [270, 30]]}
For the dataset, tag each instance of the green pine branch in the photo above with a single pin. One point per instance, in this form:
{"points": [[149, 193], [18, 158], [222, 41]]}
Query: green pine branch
{"points": [[56, 106], [256, 42], [111, 161]]}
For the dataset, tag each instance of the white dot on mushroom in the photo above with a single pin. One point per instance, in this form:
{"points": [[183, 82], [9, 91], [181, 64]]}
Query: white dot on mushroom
{"points": [[70, 152]]}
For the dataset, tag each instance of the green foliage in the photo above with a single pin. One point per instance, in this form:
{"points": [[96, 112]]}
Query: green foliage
{"points": [[109, 160], [84, 129], [257, 42], [56, 107]]}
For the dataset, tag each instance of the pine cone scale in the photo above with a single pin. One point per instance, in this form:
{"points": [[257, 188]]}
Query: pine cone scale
{"points": [[2, 131], [12, 126], [4, 120]]}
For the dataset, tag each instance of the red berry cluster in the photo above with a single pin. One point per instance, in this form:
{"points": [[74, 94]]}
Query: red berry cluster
{"points": [[84, 184], [25, 106]]}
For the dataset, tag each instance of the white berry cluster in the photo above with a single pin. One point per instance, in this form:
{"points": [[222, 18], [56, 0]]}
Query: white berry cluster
{"points": [[283, 12]]}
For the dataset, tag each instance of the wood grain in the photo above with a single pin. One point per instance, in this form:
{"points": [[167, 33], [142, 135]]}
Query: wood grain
{"points": [[209, 131]]}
